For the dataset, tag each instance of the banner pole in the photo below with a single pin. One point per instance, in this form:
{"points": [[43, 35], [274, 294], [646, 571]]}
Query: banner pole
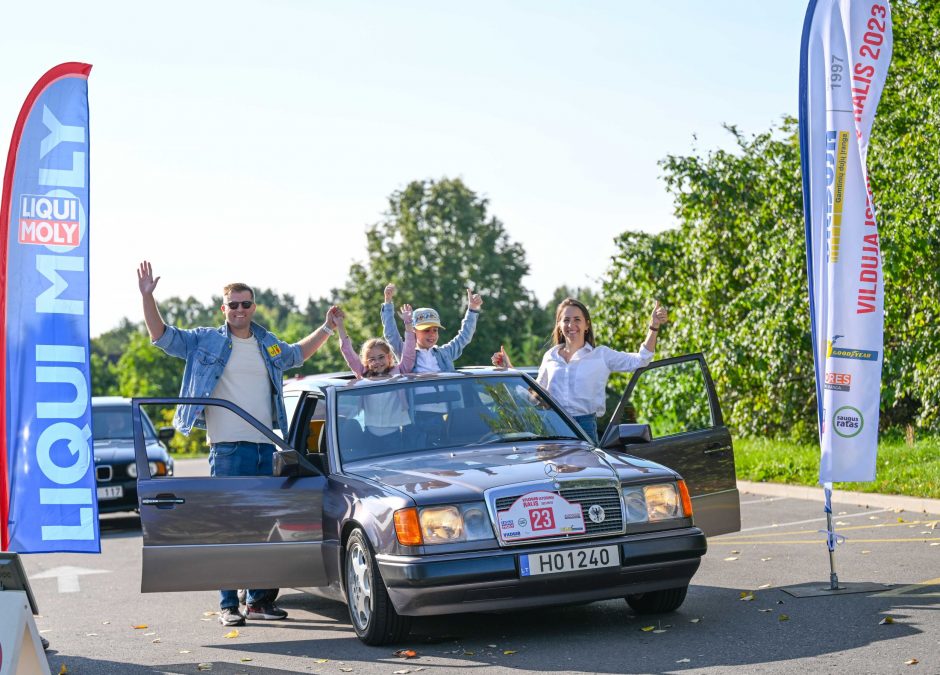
{"points": [[831, 541]]}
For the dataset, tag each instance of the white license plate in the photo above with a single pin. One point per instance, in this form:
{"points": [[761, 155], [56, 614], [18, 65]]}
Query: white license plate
{"points": [[572, 560], [111, 492]]}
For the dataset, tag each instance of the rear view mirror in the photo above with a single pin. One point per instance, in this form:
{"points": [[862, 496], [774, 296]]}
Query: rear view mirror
{"points": [[616, 437], [166, 434], [290, 463]]}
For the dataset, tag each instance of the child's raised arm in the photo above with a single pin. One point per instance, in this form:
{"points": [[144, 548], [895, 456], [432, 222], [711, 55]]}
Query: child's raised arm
{"points": [[345, 345], [389, 328], [408, 355]]}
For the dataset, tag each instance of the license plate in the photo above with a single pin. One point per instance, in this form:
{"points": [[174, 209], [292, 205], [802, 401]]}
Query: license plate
{"points": [[572, 560], [111, 492]]}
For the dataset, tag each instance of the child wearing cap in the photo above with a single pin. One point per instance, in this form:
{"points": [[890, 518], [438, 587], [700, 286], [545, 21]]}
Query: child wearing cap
{"points": [[431, 358]]}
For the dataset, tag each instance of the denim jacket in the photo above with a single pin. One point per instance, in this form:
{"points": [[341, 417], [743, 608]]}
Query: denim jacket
{"points": [[207, 351], [445, 355]]}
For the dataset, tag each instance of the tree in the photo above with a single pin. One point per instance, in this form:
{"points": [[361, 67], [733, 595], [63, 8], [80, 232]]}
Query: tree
{"points": [[435, 241]]}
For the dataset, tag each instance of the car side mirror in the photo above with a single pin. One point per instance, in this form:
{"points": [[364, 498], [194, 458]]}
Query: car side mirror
{"points": [[290, 463], [616, 437], [166, 434]]}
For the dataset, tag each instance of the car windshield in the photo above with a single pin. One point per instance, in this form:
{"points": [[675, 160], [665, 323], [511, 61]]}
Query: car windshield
{"points": [[114, 423], [414, 415]]}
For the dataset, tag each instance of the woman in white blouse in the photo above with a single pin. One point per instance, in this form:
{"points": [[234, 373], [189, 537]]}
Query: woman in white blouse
{"points": [[575, 371]]}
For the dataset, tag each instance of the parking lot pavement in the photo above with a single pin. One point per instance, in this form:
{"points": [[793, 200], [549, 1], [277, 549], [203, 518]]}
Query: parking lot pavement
{"points": [[738, 612]]}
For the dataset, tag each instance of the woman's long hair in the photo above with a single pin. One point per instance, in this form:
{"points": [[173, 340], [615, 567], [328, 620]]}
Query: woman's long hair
{"points": [[558, 337]]}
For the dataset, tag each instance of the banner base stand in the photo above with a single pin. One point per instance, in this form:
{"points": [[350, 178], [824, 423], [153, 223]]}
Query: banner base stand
{"points": [[815, 589], [21, 651]]}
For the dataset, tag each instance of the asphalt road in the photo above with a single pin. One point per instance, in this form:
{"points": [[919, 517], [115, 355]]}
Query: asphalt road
{"points": [[738, 613]]}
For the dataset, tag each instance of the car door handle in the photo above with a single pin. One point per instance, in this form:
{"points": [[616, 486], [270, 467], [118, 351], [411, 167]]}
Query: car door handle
{"points": [[717, 447], [162, 501]]}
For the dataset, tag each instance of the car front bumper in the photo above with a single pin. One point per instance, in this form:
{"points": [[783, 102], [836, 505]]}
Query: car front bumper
{"points": [[490, 580]]}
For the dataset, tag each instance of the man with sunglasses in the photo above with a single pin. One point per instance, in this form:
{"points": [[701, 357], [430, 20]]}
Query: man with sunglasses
{"points": [[239, 362]]}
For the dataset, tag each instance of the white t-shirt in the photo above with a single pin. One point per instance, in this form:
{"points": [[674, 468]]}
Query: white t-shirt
{"points": [[383, 412], [426, 362], [246, 383], [579, 385]]}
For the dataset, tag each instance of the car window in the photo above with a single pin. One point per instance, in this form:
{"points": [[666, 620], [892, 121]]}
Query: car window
{"points": [[114, 423], [671, 399], [408, 416]]}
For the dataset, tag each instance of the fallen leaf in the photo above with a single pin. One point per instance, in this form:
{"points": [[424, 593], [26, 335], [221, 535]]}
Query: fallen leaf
{"points": [[747, 596], [150, 633], [935, 543], [901, 520], [911, 662], [647, 629], [784, 617], [91, 635], [203, 666], [509, 652], [765, 610], [684, 661], [346, 670], [404, 671], [63, 670], [872, 517], [232, 634], [694, 620], [763, 586], [732, 558], [105, 623], [865, 552], [140, 626], [886, 620], [245, 659], [933, 524], [660, 630], [320, 660], [186, 651], [765, 559], [210, 613], [735, 552], [491, 646], [406, 654], [468, 653]]}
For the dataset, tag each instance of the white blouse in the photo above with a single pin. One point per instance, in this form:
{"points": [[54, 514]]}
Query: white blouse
{"points": [[579, 385]]}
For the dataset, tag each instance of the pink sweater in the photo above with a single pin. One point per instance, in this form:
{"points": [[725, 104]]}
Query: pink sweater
{"points": [[405, 366]]}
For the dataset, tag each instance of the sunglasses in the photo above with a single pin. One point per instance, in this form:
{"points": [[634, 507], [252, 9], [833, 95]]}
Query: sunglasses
{"points": [[244, 303]]}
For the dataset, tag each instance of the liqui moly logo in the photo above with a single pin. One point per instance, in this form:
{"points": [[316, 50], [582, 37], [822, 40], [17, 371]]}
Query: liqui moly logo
{"points": [[49, 221]]}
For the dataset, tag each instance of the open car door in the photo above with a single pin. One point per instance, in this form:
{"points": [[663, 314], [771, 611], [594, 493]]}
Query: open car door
{"points": [[676, 398], [217, 532]]}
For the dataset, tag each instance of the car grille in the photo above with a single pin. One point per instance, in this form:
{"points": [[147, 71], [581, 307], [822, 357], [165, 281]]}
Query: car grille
{"points": [[607, 497]]}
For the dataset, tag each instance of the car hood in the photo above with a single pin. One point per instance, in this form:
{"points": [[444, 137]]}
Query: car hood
{"points": [[122, 450], [464, 474]]}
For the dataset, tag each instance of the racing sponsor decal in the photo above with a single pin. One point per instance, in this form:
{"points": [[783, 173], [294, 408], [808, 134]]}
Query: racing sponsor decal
{"points": [[48, 220], [274, 350], [540, 514], [847, 421], [837, 154], [838, 381]]}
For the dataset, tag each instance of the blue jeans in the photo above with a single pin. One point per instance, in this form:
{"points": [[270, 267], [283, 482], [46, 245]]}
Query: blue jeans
{"points": [[242, 458], [589, 424]]}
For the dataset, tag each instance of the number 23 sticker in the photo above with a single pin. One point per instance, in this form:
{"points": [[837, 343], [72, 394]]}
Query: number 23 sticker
{"points": [[540, 514]]}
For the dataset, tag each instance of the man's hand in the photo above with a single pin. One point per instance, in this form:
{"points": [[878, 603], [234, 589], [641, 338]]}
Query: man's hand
{"points": [[474, 300], [334, 317], [660, 316], [145, 280], [389, 292]]}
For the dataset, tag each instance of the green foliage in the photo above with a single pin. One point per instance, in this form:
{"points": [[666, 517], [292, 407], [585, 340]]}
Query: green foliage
{"points": [[435, 241], [904, 467], [733, 271]]}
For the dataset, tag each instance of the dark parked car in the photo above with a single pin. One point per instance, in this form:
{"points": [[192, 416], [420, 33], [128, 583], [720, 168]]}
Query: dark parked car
{"points": [[115, 468], [457, 492]]}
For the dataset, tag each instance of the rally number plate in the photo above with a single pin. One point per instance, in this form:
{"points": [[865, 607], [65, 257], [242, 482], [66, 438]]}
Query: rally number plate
{"points": [[111, 492], [572, 560]]}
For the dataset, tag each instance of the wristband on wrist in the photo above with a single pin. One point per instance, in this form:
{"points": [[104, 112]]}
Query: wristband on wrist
{"points": [[652, 328], [326, 329]]}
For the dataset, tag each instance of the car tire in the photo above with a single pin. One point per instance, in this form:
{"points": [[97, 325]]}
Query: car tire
{"points": [[370, 609], [657, 602]]}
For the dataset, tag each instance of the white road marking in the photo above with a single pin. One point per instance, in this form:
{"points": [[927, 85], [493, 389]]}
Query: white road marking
{"points": [[68, 577], [812, 520], [764, 500]]}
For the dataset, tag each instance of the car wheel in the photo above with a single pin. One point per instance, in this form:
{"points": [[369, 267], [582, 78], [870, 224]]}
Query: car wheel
{"points": [[373, 617], [657, 602]]}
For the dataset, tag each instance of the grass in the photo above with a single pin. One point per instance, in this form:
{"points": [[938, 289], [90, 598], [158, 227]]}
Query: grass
{"points": [[903, 467]]}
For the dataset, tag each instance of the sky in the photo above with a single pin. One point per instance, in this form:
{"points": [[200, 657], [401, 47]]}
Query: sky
{"points": [[258, 141]]}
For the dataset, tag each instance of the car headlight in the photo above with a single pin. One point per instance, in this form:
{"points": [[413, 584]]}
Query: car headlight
{"points": [[156, 469], [442, 524], [661, 501]]}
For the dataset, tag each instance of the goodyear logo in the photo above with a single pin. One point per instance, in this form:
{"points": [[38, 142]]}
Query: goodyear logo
{"points": [[274, 350], [834, 352]]}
